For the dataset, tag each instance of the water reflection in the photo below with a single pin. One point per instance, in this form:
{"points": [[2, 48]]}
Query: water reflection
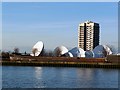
{"points": [[85, 73], [97, 78], [58, 77], [38, 72]]}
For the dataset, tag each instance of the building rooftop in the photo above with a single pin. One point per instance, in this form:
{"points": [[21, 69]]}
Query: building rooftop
{"points": [[89, 21]]}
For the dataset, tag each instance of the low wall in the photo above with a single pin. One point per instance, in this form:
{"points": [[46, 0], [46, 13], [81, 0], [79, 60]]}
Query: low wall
{"points": [[113, 58], [108, 62], [54, 59], [61, 64]]}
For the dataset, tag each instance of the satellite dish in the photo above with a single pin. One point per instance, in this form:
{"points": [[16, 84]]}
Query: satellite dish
{"points": [[108, 50], [59, 51], [77, 52], [89, 54], [68, 54], [101, 51], [37, 48]]}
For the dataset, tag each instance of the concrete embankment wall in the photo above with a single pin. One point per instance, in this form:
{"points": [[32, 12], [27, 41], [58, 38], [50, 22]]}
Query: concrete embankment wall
{"points": [[112, 61], [62, 64], [56, 59], [109, 58], [113, 58]]}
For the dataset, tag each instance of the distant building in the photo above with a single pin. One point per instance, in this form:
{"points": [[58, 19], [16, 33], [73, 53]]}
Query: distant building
{"points": [[88, 35]]}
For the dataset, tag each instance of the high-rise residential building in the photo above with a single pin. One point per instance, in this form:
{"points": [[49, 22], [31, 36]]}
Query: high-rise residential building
{"points": [[88, 35]]}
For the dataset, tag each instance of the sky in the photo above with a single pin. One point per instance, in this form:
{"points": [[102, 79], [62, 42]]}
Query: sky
{"points": [[55, 23]]}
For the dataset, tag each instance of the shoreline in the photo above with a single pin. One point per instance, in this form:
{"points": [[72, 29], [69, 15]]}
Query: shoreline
{"points": [[61, 64]]}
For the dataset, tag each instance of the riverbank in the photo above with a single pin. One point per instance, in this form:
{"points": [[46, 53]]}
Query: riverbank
{"points": [[62, 64]]}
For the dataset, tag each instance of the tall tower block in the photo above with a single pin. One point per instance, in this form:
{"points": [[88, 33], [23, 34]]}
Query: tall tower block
{"points": [[88, 35]]}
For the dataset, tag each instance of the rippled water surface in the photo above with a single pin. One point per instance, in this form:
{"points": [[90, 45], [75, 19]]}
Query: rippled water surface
{"points": [[58, 77]]}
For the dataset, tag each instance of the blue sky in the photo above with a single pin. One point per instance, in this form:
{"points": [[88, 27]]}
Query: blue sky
{"points": [[55, 23]]}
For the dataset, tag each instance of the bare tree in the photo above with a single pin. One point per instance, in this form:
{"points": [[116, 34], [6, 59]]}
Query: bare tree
{"points": [[5, 54], [34, 50], [16, 50], [50, 54]]}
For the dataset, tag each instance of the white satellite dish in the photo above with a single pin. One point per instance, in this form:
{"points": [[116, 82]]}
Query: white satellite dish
{"points": [[77, 52], [108, 50], [59, 51], [101, 51], [68, 54], [37, 48]]}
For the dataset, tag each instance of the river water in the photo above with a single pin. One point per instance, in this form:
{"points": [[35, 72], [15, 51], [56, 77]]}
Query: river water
{"points": [[58, 77]]}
